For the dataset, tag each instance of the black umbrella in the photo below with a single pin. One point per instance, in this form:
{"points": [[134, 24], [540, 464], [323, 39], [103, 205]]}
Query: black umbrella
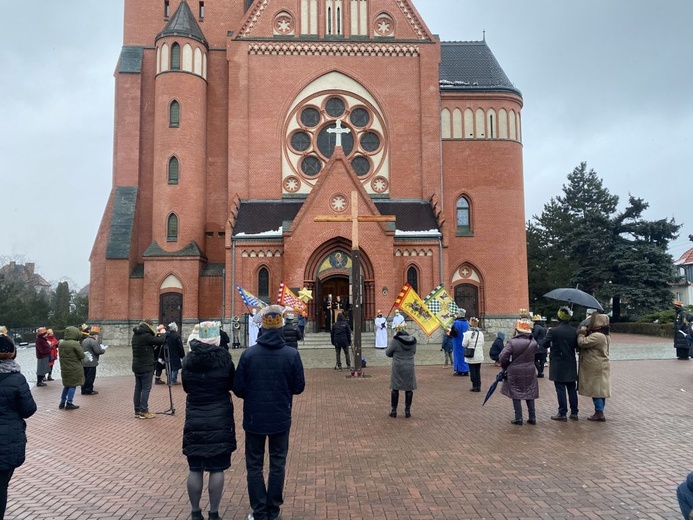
{"points": [[492, 388], [575, 296]]}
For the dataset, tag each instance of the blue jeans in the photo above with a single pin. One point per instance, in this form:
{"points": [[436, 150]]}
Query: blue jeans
{"points": [[174, 376], [599, 403], [143, 385], [685, 497], [68, 394], [265, 501], [561, 390]]}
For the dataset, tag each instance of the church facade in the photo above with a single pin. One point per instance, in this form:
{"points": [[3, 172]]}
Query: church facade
{"points": [[238, 122]]}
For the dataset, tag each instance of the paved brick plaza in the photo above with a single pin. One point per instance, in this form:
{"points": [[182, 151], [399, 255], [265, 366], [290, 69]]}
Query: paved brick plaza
{"points": [[348, 460]]}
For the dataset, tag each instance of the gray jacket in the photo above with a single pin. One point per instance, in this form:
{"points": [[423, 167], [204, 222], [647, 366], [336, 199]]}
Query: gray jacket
{"points": [[92, 351], [402, 350]]}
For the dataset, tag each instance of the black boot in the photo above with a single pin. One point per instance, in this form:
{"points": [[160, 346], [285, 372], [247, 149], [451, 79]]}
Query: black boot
{"points": [[39, 381], [394, 401], [532, 412], [517, 406], [408, 397]]}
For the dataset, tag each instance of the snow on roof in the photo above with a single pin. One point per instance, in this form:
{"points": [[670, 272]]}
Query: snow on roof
{"points": [[427, 233], [271, 233]]}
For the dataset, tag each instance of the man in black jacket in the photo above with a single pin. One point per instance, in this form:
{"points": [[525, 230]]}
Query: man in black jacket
{"points": [[292, 334], [340, 336], [144, 341], [269, 374], [562, 344]]}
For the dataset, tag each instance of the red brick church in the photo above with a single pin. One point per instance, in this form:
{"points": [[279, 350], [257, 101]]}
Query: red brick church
{"points": [[227, 119]]}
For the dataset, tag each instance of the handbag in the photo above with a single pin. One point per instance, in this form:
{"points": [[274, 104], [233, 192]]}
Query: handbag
{"points": [[469, 351]]}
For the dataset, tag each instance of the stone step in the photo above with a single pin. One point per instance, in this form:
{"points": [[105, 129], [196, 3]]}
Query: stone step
{"points": [[316, 340]]}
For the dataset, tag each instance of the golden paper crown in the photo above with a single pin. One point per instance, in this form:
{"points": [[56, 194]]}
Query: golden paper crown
{"points": [[523, 325], [272, 317]]}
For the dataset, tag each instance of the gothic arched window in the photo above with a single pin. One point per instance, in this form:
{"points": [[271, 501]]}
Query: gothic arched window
{"points": [[175, 57], [173, 170], [174, 114], [464, 217], [263, 283], [172, 228], [413, 278]]}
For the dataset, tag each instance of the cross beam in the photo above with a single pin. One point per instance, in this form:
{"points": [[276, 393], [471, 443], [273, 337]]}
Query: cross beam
{"points": [[355, 218]]}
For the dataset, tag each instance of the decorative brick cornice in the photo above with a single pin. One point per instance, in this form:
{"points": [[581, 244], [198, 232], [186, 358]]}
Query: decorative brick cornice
{"points": [[333, 49]]}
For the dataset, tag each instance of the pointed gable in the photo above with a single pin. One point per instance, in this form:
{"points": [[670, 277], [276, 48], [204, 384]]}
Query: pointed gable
{"points": [[332, 194], [387, 20], [183, 23]]}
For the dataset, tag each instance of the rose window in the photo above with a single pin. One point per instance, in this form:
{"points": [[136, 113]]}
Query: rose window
{"points": [[318, 124]]}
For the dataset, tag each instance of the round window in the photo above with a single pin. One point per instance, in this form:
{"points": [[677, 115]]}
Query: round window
{"points": [[310, 117], [361, 165], [300, 141], [327, 141], [370, 142], [311, 165], [360, 117], [335, 107]]}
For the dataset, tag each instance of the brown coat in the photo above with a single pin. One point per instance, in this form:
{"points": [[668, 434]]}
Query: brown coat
{"points": [[594, 373], [518, 358]]}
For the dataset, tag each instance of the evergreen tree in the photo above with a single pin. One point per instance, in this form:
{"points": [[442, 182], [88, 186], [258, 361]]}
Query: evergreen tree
{"points": [[61, 306], [580, 240]]}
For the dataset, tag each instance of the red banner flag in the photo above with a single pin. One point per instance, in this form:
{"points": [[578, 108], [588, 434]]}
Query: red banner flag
{"points": [[287, 298]]}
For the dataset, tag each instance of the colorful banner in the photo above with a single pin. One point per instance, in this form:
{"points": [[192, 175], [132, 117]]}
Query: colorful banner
{"points": [[442, 306], [413, 306], [249, 299], [287, 298]]}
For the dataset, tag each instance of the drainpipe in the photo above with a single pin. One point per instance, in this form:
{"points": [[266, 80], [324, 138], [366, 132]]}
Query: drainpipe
{"points": [[440, 256], [233, 274]]}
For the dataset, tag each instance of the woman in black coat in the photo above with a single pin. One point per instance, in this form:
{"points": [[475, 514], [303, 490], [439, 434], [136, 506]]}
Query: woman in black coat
{"points": [[209, 435], [16, 404]]}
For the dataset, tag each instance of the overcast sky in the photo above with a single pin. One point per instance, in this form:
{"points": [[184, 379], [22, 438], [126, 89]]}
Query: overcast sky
{"points": [[606, 82]]}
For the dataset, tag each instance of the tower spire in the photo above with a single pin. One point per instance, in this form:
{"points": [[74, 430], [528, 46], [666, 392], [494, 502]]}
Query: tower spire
{"points": [[183, 23]]}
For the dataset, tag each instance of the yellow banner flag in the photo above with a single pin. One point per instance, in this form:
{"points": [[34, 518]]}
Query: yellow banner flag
{"points": [[413, 306]]}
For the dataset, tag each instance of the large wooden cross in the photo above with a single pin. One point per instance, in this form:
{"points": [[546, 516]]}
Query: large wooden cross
{"points": [[355, 218]]}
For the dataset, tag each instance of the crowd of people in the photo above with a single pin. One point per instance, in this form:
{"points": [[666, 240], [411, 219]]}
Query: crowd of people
{"points": [[270, 372]]}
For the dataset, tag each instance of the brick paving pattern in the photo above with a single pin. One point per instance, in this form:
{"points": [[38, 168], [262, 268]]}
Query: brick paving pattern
{"points": [[348, 460]]}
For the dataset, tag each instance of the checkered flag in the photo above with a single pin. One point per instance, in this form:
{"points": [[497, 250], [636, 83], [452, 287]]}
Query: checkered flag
{"points": [[442, 306]]}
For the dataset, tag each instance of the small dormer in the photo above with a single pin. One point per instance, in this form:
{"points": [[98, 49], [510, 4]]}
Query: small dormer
{"points": [[174, 53]]}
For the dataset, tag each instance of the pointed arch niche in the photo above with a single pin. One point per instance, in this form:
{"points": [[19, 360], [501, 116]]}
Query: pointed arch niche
{"points": [[468, 289]]}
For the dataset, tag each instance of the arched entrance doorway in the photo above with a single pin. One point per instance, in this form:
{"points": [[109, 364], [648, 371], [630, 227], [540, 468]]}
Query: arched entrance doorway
{"points": [[171, 301], [328, 290], [469, 290], [327, 272]]}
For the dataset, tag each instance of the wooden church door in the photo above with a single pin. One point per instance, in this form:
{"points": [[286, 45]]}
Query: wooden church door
{"points": [[467, 297]]}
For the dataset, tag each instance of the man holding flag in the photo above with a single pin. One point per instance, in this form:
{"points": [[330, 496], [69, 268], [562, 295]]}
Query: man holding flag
{"points": [[459, 327]]}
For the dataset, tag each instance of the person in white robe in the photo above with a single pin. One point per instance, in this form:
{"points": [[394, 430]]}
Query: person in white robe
{"points": [[380, 330], [253, 327], [398, 321]]}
